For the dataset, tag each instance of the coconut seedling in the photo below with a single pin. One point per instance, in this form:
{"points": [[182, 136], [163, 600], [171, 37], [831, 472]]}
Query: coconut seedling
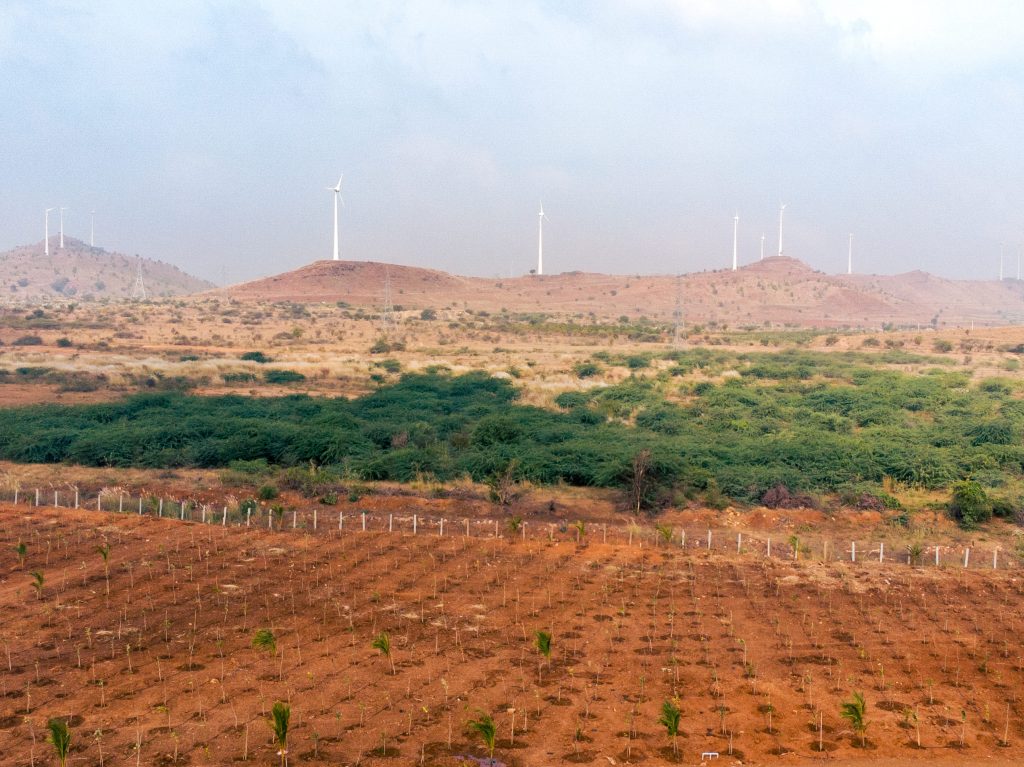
{"points": [[484, 726], [60, 737], [22, 551], [665, 531], [581, 529], [280, 715], [104, 551], [853, 711], [542, 641], [382, 642], [670, 718], [37, 583], [265, 640], [514, 523]]}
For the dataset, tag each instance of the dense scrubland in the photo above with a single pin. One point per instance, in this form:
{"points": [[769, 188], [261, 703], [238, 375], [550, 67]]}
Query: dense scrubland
{"points": [[787, 423]]}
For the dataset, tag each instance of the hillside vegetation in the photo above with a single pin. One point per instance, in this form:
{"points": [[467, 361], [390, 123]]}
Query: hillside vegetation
{"points": [[810, 423]]}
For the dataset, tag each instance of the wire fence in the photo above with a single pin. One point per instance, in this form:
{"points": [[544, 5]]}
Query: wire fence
{"points": [[326, 520]]}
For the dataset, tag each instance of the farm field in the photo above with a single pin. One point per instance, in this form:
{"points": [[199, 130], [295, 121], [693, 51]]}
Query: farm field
{"points": [[140, 632]]}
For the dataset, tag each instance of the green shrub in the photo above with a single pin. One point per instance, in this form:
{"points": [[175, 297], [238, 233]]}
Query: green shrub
{"points": [[27, 341], [64, 343], [586, 369], [970, 504], [283, 377], [259, 357], [267, 493]]}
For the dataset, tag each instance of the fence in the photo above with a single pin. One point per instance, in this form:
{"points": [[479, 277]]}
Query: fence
{"points": [[721, 541]]}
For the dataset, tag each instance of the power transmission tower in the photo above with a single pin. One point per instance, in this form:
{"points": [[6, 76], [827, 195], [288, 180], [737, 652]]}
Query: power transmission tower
{"points": [[139, 288]]}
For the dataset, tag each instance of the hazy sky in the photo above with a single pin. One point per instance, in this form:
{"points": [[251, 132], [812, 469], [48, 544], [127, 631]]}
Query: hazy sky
{"points": [[205, 133]]}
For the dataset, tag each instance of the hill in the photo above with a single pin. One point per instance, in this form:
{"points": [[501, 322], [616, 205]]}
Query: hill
{"points": [[778, 290], [81, 272]]}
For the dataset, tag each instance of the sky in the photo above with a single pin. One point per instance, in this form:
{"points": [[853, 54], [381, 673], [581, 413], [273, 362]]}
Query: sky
{"points": [[206, 134]]}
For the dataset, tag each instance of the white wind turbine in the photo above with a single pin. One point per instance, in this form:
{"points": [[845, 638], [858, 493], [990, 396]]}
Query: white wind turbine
{"points": [[762, 247], [782, 207], [337, 197], [62, 227], [735, 239], [540, 239], [46, 236]]}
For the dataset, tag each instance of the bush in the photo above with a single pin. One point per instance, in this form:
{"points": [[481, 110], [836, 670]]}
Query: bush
{"points": [[259, 357], [283, 377], [942, 346], [27, 341], [268, 493], [64, 343], [970, 504], [428, 314], [586, 369]]}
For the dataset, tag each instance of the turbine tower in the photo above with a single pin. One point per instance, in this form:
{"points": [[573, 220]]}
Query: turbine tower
{"points": [[849, 256], [762, 247], [540, 240], [46, 236], [62, 227], [735, 239], [92, 229], [337, 196], [782, 207]]}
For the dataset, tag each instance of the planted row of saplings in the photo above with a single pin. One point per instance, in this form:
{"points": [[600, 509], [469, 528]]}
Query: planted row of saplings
{"points": [[578, 582]]}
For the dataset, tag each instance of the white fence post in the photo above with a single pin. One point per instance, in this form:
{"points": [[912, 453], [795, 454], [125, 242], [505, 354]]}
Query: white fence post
{"points": [[414, 524], [120, 503], [364, 521], [160, 508], [99, 496], [769, 548], [55, 504], [224, 517], [76, 497], [248, 516], [853, 551], [295, 518], [936, 556], [967, 557], [314, 520], [341, 519], [739, 542], [391, 523], [37, 496], [995, 559], [881, 552], [140, 504], [709, 541], [441, 529]]}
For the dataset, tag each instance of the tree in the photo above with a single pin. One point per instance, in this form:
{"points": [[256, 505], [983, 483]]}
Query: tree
{"points": [[638, 480], [382, 642], [853, 711], [670, 717], [484, 726], [265, 640], [280, 715], [60, 737]]}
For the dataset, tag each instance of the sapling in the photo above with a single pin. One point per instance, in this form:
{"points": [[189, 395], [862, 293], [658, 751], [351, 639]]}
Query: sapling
{"points": [[382, 642], [60, 737], [280, 715], [484, 726], [37, 583], [853, 711], [21, 550], [669, 718], [264, 639]]}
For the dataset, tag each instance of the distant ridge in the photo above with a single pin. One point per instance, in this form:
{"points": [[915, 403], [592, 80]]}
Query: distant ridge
{"points": [[82, 273], [777, 291]]}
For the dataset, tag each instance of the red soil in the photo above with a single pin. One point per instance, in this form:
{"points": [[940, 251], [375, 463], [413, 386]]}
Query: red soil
{"points": [[632, 627]]}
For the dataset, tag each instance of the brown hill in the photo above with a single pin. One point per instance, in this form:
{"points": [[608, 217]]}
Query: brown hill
{"points": [[83, 273], [778, 290]]}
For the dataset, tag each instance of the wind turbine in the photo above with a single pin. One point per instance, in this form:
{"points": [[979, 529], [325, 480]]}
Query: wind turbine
{"points": [[337, 196], [62, 227], [735, 239], [92, 229], [849, 256], [46, 237], [762, 247], [782, 207], [540, 239]]}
